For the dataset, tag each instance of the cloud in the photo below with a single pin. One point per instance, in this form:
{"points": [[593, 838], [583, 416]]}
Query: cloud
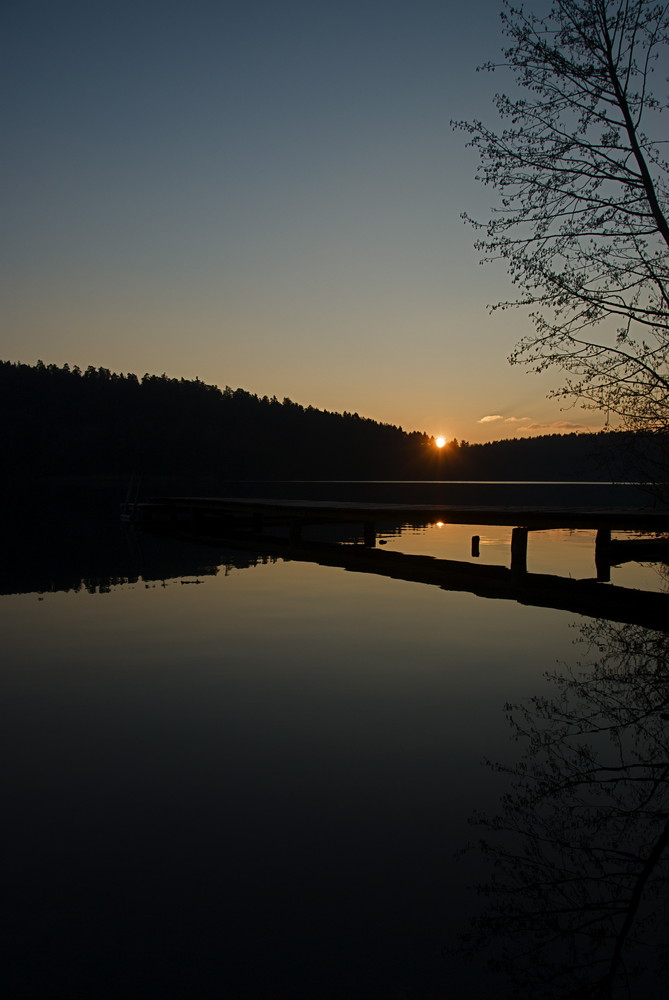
{"points": [[527, 426], [555, 427]]}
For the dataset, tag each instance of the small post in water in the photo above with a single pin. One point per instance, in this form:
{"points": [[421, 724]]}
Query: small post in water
{"points": [[519, 550]]}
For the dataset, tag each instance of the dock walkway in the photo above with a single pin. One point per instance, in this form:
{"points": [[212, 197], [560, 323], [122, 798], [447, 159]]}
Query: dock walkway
{"points": [[332, 511], [249, 523]]}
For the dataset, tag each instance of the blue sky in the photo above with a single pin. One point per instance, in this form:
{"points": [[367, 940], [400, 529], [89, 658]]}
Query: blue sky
{"points": [[264, 195]]}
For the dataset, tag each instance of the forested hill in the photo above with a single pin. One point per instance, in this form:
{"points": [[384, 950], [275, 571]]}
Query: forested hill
{"points": [[62, 421], [59, 421]]}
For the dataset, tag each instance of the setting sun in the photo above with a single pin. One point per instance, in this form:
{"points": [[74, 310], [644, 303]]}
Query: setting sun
{"points": [[440, 441]]}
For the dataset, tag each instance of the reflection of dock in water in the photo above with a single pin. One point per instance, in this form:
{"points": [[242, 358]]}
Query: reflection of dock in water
{"points": [[108, 559], [245, 523]]}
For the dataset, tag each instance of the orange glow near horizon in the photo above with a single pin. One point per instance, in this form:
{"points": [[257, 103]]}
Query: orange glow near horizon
{"points": [[440, 441]]}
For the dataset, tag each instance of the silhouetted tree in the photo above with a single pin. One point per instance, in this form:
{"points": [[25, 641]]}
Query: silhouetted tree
{"points": [[582, 222]]}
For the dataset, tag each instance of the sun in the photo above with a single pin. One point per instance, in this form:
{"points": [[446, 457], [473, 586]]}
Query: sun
{"points": [[440, 441]]}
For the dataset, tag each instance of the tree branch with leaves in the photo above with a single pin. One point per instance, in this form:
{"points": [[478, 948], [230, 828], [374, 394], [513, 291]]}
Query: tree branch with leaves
{"points": [[583, 219]]}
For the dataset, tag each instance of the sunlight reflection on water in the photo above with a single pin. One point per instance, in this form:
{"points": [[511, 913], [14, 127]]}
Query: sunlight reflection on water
{"points": [[561, 551]]}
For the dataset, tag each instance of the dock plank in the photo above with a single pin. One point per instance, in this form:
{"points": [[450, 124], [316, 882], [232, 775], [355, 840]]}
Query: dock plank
{"points": [[615, 518]]}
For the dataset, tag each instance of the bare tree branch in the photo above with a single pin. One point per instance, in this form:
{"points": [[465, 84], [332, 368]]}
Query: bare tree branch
{"points": [[583, 219]]}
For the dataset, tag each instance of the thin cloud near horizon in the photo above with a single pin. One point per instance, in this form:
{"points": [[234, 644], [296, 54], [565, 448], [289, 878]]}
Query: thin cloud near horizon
{"points": [[554, 427], [551, 427], [493, 417]]}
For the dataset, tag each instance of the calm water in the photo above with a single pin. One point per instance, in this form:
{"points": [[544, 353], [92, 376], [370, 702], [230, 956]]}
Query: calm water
{"points": [[233, 776]]}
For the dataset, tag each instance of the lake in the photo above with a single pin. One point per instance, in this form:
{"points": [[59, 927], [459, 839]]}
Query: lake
{"points": [[234, 775]]}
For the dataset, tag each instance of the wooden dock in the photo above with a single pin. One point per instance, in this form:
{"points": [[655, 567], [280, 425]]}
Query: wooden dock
{"points": [[251, 523], [300, 512], [220, 514]]}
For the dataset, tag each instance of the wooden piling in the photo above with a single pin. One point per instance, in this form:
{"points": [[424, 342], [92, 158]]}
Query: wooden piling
{"points": [[603, 554], [519, 550]]}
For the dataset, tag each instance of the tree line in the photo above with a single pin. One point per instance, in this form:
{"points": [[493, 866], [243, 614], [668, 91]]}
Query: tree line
{"points": [[65, 421]]}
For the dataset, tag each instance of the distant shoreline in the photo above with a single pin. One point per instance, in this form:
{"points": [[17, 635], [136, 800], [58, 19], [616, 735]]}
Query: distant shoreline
{"points": [[79, 493]]}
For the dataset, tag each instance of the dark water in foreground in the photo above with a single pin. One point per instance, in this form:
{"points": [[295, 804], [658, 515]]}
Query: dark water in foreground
{"points": [[233, 776]]}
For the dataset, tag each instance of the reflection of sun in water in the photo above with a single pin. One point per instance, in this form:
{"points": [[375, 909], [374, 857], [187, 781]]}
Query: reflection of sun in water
{"points": [[440, 441]]}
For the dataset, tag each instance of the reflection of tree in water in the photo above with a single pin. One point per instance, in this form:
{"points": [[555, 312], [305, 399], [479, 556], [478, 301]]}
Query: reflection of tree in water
{"points": [[663, 573], [579, 852]]}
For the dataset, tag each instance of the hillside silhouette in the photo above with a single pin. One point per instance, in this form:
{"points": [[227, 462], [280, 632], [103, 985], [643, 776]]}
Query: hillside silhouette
{"points": [[63, 421]]}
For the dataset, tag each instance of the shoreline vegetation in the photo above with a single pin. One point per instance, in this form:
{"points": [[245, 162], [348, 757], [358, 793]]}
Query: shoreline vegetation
{"points": [[64, 422]]}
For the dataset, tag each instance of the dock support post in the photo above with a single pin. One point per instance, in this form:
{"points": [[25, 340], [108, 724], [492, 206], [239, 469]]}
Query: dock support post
{"points": [[519, 550], [602, 555], [476, 547], [369, 534]]}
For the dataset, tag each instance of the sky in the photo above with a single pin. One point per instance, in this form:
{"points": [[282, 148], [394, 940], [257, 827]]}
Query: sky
{"points": [[266, 195]]}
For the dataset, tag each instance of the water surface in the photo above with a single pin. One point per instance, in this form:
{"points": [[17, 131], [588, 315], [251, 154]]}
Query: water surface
{"points": [[229, 775]]}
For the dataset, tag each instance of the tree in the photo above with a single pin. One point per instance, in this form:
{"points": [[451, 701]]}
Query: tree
{"points": [[583, 221]]}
